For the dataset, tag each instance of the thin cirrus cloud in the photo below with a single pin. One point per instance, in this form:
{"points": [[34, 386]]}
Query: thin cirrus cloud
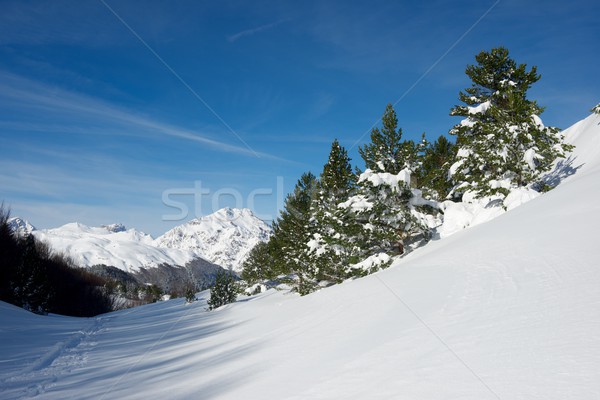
{"points": [[20, 94], [253, 31]]}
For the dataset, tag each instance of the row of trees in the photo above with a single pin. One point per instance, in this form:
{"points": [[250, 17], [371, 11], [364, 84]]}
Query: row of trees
{"points": [[348, 223], [330, 224], [34, 278]]}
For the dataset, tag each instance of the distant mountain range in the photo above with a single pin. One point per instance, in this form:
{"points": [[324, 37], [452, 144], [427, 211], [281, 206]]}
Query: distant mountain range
{"points": [[224, 238]]}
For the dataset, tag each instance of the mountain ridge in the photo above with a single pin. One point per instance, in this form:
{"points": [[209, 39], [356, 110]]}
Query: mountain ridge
{"points": [[224, 237]]}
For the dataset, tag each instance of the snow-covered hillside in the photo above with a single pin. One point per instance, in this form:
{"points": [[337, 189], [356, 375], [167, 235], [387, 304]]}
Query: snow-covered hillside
{"points": [[508, 309], [224, 237]]}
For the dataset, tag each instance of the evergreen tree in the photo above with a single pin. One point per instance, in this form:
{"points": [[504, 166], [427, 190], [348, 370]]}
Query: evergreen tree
{"points": [[596, 109], [32, 287], [383, 214], [292, 232], [189, 294], [501, 142], [328, 248], [224, 290], [387, 152], [380, 214], [262, 262], [433, 174], [285, 252]]}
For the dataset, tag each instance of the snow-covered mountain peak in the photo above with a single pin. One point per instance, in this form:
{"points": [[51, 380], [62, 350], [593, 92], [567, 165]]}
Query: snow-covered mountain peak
{"points": [[224, 237], [227, 217], [20, 226]]}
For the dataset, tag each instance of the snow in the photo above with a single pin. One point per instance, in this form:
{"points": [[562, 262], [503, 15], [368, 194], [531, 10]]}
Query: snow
{"points": [[481, 108], [357, 203], [509, 309], [461, 155], [468, 122], [538, 121], [371, 262], [316, 245], [530, 156], [386, 178]]}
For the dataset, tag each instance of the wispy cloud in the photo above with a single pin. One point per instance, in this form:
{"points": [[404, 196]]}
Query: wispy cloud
{"points": [[19, 94], [253, 31]]}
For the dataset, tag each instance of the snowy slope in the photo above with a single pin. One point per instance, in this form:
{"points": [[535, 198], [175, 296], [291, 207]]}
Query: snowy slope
{"points": [[509, 309], [224, 237], [128, 250]]}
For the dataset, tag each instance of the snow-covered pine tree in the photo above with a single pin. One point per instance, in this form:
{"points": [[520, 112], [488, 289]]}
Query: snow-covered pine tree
{"points": [[381, 214], [224, 290], [330, 247], [501, 142], [596, 109]]}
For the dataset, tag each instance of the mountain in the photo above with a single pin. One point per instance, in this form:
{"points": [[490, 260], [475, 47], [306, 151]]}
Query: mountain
{"points": [[20, 226], [507, 309], [128, 250], [224, 237]]}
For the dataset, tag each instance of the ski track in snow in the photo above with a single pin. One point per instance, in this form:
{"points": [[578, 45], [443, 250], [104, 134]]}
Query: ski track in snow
{"points": [[62, 359]]}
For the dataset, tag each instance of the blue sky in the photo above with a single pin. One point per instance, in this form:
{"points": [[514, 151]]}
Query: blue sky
{"points": [[134, 111]]}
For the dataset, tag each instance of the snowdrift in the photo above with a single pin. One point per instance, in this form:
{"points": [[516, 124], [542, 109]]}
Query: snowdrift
{"points": [[509, 309]]}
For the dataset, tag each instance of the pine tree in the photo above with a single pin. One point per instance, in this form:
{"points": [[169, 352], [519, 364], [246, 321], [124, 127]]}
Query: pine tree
{"points": [[262, 262], [380, 214], [387, 152], [501, 142], [32, 287], [433, 174], [189, 293], [292, 232], [285, 252], [596, 109], [224, 290], [328, 247], [383, 214]]}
